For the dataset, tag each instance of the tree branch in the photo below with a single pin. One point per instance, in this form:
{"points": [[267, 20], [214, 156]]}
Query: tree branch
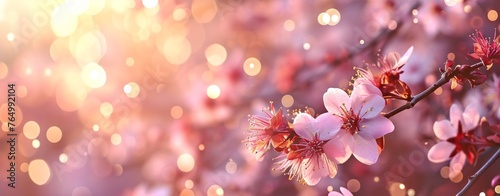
{"points": [[473, 178], [445, 78]]}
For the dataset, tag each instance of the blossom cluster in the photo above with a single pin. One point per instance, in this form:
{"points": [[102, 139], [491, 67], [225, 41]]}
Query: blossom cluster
{"points": [[311, 147]]}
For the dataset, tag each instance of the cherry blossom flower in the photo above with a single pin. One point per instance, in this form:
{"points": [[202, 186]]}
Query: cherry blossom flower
{"points": [[485, 50], [317, 151], [267, 130], [385, 75], [362, 121], [457, 135], [343, 192]]}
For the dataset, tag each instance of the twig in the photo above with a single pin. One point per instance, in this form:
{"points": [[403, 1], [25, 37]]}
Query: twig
{"points": [[445, 78], [479, 172]]}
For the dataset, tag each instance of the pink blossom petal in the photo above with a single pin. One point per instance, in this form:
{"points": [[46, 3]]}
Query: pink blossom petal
{"points": [[470, 117], [392, 58], [404, 58], [334, 98], [335, 193], [336, 151], [360, 81], [345, 192], [367, 106], [328, 126], [365, 149], [363, 90], [455, 114], [444, 130], [317, 167], [346, 139], [304, 125], [375, 127], [457, 163], [440, 152]]}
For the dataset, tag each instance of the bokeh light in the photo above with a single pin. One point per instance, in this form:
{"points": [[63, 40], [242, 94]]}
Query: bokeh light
{"points": [[106, 109], [185, 162], [150, 3], [116, 139], [35, 143], [215, 190], [177, 50], [213, 91], [63, 21], [179, 14], [39, 171], [216, 54], [252, 66], [287, 100], [176, 112], [231, 167], [451, 2], [289, 25], [31, 130], [189, 184], [492, 15], [203, 11], [93, 75], [353, 185], [63, 158], [131, 89]]}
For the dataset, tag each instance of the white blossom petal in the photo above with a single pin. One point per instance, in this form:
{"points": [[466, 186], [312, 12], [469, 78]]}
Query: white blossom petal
{"points": [[470, 117], [404, 58], [335, 193], [345, 192], [444, 130], [455, 114], [440, 152], [457, 163]]}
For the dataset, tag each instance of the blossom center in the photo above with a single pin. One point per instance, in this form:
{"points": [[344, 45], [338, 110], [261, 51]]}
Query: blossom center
{"points": [[351, 120], [316, 146]]}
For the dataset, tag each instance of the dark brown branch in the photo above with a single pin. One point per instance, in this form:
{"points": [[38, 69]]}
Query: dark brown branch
{"points": [[473, 178]]}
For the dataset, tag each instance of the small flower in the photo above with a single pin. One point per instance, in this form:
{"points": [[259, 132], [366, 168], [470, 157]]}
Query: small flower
{"points": [[362, 121], [270, 129], [317, 151], [385, 75], [485, 50], [343, 192], [467, 73], [457, 135]]}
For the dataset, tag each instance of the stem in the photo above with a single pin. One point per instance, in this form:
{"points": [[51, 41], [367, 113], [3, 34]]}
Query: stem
{"points": [[445, 78], [473, 178]]}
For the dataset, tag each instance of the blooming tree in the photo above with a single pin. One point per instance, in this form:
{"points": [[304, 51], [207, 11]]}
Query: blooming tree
{"points": [[355, 122]]}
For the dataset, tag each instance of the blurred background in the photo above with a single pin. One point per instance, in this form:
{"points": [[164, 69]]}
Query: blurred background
{"points": [[152, 97]]}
